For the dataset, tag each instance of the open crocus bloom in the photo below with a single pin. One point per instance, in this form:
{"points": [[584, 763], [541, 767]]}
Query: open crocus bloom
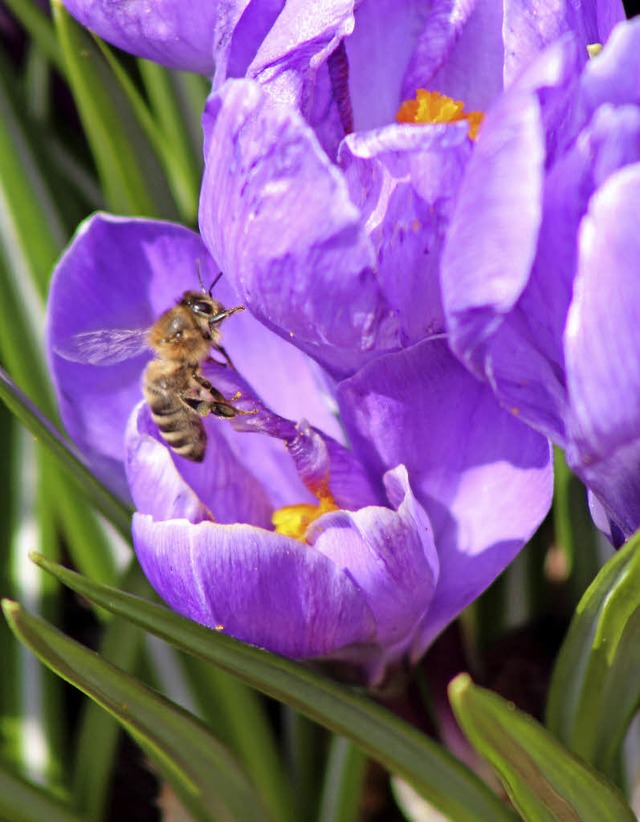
{"points": [[283, 536], [464, 48], [312, 188]]}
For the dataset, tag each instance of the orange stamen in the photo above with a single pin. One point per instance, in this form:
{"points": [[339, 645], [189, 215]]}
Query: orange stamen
{"points": [[433, 107]]}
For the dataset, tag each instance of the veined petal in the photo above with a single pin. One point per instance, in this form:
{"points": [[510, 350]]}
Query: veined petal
{"points": [[460, 52], [404, 180], [465, 457], [255, 585], [240, 27], [504, 236], [300, 40], [392, 557], [528, 30], [612, 77], [602, 352], [116, 277], [278, 218], [170, 32], [385, 35], [167, 486], [493, 234]]}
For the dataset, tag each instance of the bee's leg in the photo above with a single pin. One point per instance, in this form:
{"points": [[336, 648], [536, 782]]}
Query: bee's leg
{"points": [[222, 350], [216, 403]]}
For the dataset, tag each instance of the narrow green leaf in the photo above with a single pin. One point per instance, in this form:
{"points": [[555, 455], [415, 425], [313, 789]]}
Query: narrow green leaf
{"points": [[21, 801], [39, 28], [31, 417], [98, 732], [575, 534], [304, 753], [131, 177], [192, 91], [343, 782], [33, 721], [434, 772], [203, 773], [595, 688], [237, 716], [31, 230], [545, 781], [182, 164]]}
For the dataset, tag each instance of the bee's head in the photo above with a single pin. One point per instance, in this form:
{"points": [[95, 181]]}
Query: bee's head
{"points": [[203, 306]]}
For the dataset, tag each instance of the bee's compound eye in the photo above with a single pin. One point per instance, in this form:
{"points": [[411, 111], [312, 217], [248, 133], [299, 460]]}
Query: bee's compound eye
{"points": [[202, 307]]}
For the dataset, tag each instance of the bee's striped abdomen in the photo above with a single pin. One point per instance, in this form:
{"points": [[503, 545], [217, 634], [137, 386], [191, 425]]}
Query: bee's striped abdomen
{"points": [[180, 427]]}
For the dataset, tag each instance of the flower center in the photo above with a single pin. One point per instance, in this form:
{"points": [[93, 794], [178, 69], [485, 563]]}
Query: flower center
{"points": [[433, 107], [293, 520]]}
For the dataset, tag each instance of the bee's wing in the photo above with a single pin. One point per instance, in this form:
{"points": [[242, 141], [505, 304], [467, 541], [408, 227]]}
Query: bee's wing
{"points": [[106, 346]]}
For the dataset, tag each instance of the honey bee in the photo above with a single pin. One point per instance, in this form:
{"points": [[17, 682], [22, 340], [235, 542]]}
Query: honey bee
{"points": [[177, 393], [174, 388]]}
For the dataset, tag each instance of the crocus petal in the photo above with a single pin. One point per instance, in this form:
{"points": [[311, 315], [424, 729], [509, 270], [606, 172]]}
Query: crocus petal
{"points": [[292, 460], [278, 218], [125, 273], [170, 32], [117, 275], [379, 50], [405, 179], [392, 558], [492, 238], [492, 244], [529, 29], [460, 52], [465, 457], [300, 40], [240, 27], [255, 585], [612, 77], [602, 351], [167, 486]]}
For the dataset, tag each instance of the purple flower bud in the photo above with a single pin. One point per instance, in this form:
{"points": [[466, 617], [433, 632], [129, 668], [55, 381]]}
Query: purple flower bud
{"points": [[539, 272]]}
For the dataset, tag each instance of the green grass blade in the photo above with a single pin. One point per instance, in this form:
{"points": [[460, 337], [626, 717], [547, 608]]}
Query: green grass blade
{"points": [[237, 716], [21, 801], [164, 122], [131, 178], [30, 416], [31, 230], [545, 781], [204, 774], [400, 748], [182, 164], [98, 734], [39, 28], [343, 782], [304, 751], [575, 534], [595, 688], [33, 718]]}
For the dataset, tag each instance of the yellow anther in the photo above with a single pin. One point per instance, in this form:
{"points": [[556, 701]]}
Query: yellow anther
{"points": [[433, 107], [293, 520]]}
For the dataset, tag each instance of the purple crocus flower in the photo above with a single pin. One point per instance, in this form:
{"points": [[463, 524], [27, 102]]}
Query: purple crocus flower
{"points": [[283, 536], [541, 261], [303, 198], [464, 48]]}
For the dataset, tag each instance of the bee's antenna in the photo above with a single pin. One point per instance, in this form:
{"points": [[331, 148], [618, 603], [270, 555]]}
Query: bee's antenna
{"points": [[200, 276], [214, 283]]}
